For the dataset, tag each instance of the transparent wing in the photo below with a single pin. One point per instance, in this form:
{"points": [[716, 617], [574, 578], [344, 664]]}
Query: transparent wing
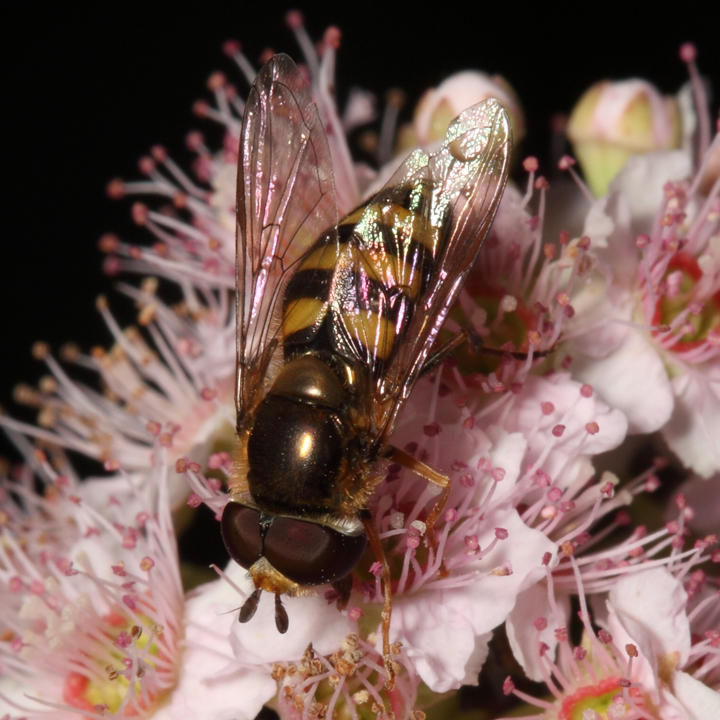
{"points": [[285, 200], [408, 267]]}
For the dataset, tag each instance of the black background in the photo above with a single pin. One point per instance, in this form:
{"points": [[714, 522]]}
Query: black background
{"points": [[88, 91]]}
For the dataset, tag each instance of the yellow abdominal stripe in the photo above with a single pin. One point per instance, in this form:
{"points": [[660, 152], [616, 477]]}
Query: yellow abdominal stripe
{"points": [[390, 271], [384, 264], [303, 313], [410, 224], [323, 258], [387, 268], [372, 330]]}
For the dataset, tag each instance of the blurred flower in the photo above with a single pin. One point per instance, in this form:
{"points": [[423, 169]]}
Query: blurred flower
{"points": [[647, 330], [439, 106], [167, 384], [613, 121]]}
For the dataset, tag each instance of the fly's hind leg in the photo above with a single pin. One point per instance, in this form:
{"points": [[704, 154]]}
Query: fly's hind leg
{"points": [[376, 545]]}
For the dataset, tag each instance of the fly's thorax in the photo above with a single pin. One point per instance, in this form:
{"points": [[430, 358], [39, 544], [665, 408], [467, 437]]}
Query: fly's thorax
{"points": [[301, 445]]}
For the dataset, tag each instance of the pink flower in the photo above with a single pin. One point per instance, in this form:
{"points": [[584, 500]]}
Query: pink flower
{"points": [[439, 106], [449, 597], [91, 601], [614, 120], [646, 330], [168, 387], [634, 666], [95, 621]]}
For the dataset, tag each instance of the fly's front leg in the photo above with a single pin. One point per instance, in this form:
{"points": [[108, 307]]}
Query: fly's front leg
{"points": [[425, 471]]}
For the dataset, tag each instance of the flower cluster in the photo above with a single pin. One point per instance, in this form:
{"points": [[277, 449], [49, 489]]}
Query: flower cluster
{"points": [[559, 574]]}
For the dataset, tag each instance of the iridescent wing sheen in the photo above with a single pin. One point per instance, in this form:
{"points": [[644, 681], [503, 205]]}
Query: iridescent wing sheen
{"points": [[408, 266], [285, 200]]}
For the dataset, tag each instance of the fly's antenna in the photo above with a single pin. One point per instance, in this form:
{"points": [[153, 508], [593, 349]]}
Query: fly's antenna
{"points": [[250, 606], [281, 616]]}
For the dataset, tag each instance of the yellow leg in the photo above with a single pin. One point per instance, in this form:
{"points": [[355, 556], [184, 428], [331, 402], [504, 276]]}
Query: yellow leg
{"points": [[376, 545], [425, 471], [433, 476]]}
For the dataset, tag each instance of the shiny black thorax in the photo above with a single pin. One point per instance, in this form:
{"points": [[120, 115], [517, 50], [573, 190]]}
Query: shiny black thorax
{"points": [[302, 443]]}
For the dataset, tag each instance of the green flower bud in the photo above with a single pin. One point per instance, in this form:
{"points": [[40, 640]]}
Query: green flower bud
{"points": [[614, 120]]}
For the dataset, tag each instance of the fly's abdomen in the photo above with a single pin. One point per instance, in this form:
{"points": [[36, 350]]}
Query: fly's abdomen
{"points": [[355, 292]]}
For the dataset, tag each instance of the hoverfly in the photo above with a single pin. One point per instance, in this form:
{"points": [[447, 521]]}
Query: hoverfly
{"points": [[336, 320]]}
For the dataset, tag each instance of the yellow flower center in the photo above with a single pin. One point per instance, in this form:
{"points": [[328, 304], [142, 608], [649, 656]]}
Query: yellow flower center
{"points": [[110, 684], [686, 273]]}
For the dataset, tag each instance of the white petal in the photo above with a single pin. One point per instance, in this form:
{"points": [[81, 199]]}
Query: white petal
{"points": [[512, 222], [653, 602], [438, 637], [645, 665], [14, 695], [445, 631], [570, 409], [700, 701], [360, 108], [312, 620], [632, 379], [641, 182], [477, 659], [599, 328], [507, 452], [693, 432], [599, 223], [608, 225], [524, 638], [212, 684]]}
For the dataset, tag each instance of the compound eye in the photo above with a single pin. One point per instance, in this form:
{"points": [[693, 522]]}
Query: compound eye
{"points": [[240, 527], [311, 554]]}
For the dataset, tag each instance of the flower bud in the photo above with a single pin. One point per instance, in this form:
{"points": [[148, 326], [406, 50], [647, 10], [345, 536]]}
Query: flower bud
{"points": [[439, 106], [614, 120]]}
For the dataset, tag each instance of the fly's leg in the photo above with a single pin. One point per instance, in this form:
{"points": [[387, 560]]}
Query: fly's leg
{"points": [[424, 471], [475, 343], [376, 545]]}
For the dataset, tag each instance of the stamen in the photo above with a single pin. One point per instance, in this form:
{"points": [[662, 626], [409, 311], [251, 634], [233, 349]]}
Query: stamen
{"points": [[567, 163]]}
